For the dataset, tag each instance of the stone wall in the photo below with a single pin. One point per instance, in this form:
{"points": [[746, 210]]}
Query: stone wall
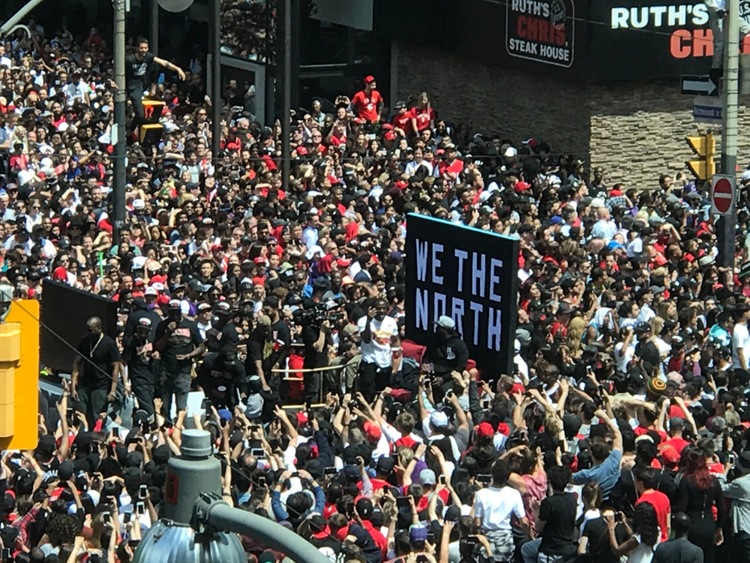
{"points": [[635, 130]]}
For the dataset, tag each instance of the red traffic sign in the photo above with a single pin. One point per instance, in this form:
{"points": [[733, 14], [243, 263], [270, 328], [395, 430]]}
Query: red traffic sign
{"points": [[722, 194]]}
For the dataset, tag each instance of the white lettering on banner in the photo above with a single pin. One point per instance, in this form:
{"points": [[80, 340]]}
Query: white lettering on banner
{"points": [[422, 247], [495, 329], [622, 17], [461, 255], [436, 249], [457, 314], [477, 309], [477, 274], [439, 309], [531, 7], [423, 309], [495, 279]]}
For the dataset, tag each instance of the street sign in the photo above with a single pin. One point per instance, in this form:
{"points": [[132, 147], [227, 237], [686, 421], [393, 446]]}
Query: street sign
{"points": [[698, 86], [707, 109], [722, 194]]}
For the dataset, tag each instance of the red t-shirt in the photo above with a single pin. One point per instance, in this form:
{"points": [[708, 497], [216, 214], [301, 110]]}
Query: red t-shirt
{"points": [[677, 443], [367, 106], [662, 506], [403, 121], [423, 117]]}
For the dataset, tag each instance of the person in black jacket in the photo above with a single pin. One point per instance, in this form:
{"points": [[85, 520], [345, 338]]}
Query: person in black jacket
{"points": [[447, 352]]}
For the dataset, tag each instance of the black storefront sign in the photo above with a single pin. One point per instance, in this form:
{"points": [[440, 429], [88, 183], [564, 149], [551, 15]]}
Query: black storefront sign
{"points": [[469, 275], [541, 31]]}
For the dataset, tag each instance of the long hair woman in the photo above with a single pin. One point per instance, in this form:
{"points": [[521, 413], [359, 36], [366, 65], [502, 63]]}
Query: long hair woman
{"points": [[699, 496]]}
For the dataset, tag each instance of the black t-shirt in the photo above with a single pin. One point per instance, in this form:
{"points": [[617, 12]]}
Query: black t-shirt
{"points": [[648, 352], [598, 540], [137, 354], [314, 359], [259, 348], [139, 74], [185, 338], [217, 379], [559, 513], [98, 358], [217, 338], [282, 341]]}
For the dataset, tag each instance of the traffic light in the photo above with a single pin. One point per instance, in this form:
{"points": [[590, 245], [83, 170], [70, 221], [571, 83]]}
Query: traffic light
{"points": [[705, 147], [19, 376]]}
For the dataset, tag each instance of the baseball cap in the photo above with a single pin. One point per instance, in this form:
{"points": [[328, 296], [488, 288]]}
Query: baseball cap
{"points": [[427, 477], [372, 431], [446, 322], [439, 419], [369, 79]]}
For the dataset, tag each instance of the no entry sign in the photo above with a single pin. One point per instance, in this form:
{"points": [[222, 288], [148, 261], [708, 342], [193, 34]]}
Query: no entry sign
{"points": [[722, 194]]}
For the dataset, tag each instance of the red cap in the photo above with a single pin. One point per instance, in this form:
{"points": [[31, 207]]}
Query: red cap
{"points": [[517, 388], [504, 429], [485, 429], [369, 79], [670, 455], [390, 136], [522, 187], [372, 431]]}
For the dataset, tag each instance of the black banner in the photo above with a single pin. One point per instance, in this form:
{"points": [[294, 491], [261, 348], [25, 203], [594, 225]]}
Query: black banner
{"points": [[541, 31], [469, 275], [64, 313]]}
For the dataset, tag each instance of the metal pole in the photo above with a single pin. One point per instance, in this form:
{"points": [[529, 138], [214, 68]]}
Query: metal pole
{"points": [[153, 21], [18, 16], [286, 102], [220, 516], [215, 81], [727, 225], [118, 189]]}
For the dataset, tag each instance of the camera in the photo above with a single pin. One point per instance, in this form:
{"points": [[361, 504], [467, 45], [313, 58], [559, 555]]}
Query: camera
{"points": [[317, 314]]}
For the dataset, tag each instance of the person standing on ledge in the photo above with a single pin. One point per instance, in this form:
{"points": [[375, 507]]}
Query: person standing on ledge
{"points": [[141, 73]]}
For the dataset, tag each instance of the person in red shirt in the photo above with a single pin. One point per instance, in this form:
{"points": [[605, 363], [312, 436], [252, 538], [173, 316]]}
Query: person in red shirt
{"points": [[402, 121], [645, 486], [368, 103], [422, 115], [451, 167], [676, 426], [363, 510]]}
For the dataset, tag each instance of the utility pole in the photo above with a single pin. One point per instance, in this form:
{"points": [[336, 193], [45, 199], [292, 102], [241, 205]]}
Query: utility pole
{"points": [[727, 225], [286, 103], [153, 23], [215, 81], [118, 188]]}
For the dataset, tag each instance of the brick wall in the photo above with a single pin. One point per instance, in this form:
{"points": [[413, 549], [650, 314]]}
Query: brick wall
{"points": [[635, 130]]}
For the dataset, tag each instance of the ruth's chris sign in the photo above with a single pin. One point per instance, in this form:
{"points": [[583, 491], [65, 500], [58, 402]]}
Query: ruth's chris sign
{"points": [[690, 35], [541, 31]]}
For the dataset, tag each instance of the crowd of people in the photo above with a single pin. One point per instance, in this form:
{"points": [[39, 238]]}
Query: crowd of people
{"points": [[620, 435]]}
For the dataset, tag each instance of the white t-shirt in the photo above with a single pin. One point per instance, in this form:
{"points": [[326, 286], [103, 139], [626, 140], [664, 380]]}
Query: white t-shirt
{"points": [[623, 357], [740, 340], [495, 507], [378, 349]]}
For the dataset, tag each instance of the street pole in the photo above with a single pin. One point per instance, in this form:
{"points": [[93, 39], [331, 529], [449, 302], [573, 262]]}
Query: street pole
{"points": [[727, 225], [153, 22], [215, 81], [118, 188], [286, 103]]}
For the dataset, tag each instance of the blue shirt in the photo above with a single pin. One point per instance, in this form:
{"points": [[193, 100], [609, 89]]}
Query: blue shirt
{"points": [[605, 475]]}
